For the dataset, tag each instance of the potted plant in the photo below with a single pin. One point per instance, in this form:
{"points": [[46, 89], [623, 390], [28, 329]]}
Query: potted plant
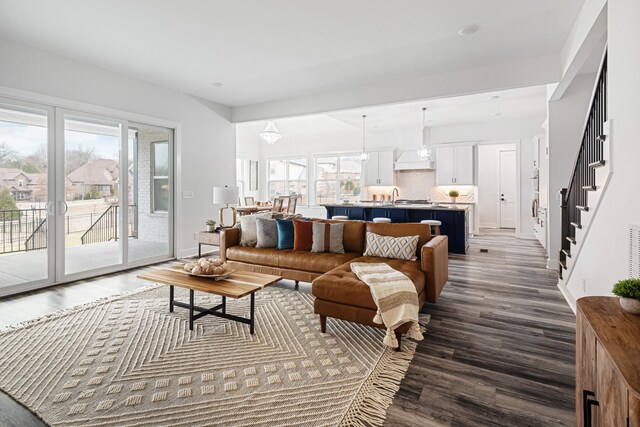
{"points": [[629, 292], [211, 225], [454, 195]]}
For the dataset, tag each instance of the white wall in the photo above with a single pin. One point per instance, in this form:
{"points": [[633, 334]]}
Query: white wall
{"points": [[501, 131], [489, 183], [206, 140], [566, 125], [604, 257]]}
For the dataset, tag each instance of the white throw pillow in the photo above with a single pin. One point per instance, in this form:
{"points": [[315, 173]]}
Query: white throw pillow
{"points": [[391, 247], [248, 233]]}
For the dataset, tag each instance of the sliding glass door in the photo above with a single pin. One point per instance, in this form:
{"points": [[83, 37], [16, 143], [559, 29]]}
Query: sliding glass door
{"points": [[26, 196], [80, 195]]}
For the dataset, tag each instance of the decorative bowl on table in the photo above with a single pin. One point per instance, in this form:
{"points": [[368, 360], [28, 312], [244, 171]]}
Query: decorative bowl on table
{"points": [[212, 268]]}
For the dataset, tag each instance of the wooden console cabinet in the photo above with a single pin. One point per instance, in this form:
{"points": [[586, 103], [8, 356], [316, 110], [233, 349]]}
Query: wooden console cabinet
{"points": [[607, 364]]}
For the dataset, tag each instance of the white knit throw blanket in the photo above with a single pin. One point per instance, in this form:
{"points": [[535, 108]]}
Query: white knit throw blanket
{"points": [[394, 295]]}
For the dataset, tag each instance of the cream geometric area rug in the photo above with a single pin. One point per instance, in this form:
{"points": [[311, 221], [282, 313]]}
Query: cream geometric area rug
{"points": [[127, 361]]}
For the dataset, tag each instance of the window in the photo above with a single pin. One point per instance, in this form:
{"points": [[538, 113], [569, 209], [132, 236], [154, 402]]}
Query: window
{"points": [[160, 176], [20, 183], [240, 177], [338, 178], [287, 177]]}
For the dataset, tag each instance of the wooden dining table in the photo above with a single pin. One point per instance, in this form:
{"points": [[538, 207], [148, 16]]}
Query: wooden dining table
{"points": [[247, 210]]}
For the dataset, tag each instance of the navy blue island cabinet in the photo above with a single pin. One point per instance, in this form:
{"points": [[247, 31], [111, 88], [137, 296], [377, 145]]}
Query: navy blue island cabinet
{"points": [[455, 222]]}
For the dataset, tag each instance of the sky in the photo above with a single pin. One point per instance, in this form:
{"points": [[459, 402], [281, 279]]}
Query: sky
{"points": [[26, 139]]}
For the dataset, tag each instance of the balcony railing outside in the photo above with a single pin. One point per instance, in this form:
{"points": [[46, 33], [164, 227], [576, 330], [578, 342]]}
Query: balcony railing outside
{"points": [[17, 225]]}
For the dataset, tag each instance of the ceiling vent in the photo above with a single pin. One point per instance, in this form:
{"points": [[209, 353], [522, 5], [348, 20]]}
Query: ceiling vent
{"points": [[634, 251]]}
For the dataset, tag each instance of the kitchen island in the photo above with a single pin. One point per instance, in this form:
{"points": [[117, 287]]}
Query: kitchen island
{"points": [[454, 219]]}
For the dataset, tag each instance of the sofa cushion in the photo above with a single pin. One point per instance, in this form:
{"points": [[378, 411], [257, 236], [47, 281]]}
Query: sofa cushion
{"points": [[312, 261], [423, 231], [342, 286], [302, 235], [328, 238], [289, 259], [266, 233], [391, 247], [248, 234], [285, 233], [353, 234]]}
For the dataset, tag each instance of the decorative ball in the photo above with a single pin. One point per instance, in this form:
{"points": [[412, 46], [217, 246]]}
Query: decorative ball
{"points": [[202, 259], [197, 270], [218, 270], [189, 266]]}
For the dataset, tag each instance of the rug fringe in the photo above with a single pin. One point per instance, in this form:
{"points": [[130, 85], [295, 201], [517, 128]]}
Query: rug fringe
{"points": [[369, 406], [67, 311]]}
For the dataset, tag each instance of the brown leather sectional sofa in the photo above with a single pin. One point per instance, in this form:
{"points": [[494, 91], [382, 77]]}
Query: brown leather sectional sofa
{"points": [[339, 293]]}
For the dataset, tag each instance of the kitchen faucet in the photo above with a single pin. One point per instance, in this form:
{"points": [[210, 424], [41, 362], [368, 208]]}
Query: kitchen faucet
{"points": [[393, 195]]}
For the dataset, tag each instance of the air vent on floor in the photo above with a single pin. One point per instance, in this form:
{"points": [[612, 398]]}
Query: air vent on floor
{"points": [[484, 251], [634, 250]]}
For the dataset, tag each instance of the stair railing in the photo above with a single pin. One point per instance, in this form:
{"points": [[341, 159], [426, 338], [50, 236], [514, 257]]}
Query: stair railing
{"points": [[590, 155]]}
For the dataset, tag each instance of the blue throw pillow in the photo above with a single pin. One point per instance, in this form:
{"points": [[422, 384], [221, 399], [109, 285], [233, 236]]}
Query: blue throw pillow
{"points": [[285, 234]]}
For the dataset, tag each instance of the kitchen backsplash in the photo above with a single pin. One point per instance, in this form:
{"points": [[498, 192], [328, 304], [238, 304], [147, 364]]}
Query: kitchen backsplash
{"points": [[420, 185]]}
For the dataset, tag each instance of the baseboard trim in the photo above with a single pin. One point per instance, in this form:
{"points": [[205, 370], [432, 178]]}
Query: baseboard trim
{"points": [[568, 296]]}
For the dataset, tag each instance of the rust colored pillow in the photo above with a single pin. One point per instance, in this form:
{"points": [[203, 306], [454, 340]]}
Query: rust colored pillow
{"points": [[302, 235]]}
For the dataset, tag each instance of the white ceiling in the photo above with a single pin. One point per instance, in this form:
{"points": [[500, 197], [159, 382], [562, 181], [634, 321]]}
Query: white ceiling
{"points": [[511, 104], [514, 104], [278, 49]]}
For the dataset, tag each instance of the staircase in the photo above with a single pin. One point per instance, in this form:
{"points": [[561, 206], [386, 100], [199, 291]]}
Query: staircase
{"points": [[580, 200]]}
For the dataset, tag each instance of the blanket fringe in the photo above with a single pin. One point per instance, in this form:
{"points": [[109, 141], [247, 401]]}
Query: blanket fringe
{"points": [[369, 406]]}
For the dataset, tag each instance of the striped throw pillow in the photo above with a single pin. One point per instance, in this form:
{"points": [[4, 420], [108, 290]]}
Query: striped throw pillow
{"points": [[327, 238], [391, 247]]}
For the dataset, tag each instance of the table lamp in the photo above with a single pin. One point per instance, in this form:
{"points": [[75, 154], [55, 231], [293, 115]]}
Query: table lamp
{"points": [[226, 196]]}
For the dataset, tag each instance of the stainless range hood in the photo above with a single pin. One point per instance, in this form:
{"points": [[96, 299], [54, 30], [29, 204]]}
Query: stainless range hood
{"points": [[409, 160]]}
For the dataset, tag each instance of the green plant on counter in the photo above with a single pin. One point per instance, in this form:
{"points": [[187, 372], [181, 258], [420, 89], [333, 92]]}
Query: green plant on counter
{"points": [[454, 193], [628, 288], [210, 222]]}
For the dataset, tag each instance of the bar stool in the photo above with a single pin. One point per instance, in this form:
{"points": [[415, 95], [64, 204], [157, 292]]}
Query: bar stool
{"points": [[339, 217], [381, 220], [434, 223]]}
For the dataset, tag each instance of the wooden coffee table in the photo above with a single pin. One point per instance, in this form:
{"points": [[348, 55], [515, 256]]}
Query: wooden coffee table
{"points": [[238, 285]]}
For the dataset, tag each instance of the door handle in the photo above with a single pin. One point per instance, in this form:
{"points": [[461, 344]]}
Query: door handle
{"points": [[587, 403], [64, 205], [502, 199]]}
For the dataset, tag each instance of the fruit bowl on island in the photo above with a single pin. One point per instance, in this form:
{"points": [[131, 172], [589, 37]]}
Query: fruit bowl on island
{"points": [[212, 268]]}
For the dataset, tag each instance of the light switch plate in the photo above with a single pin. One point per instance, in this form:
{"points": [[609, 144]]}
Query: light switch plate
{"points": [[187, 194]]}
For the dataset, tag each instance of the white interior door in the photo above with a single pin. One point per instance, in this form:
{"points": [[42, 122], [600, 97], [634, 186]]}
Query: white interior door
{"points": [[508, 190]]}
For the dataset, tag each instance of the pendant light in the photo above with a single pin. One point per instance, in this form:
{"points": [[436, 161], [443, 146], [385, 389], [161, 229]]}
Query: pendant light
{"points": [[270, 134], [424, 153], [364, 156]]}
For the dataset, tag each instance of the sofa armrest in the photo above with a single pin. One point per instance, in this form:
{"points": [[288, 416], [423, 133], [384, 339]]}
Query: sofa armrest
{"points": [[228, 237], [435, 264]]}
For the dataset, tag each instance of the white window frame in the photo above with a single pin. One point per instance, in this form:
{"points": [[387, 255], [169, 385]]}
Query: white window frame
{"points": [[154, 177], [337, 155], [286, 179]]}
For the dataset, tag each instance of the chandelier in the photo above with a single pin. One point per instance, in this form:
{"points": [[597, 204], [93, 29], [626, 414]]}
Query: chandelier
{"points": [[424, 152], [270, 134], [364, 157]]}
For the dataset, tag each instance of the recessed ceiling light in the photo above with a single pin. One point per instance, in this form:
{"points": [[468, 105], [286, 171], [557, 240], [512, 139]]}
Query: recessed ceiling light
{"points": [[217, 84], [497, 114], [468, 30], [494, 97]]}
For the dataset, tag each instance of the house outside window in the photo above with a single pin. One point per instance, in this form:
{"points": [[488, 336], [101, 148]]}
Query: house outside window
{"points": [[160, 177], [337, 178], [288, 176]]}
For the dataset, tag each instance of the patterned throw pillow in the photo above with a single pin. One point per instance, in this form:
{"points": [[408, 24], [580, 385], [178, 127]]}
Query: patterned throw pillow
{"points": [[327, 238], [248, 233], [302, 236], [267, 233], [285, 234], [391, 247]]}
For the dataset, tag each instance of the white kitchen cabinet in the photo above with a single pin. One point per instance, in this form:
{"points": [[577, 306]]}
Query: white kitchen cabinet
{"points": [[379, 168], [454, 165]]}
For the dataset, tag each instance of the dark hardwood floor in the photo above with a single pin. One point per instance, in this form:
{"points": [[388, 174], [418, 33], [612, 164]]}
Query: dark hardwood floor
{"points": [[499, 350]]}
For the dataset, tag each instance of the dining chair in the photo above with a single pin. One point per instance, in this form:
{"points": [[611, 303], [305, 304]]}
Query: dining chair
{"points": [[249, 201], [291, 207], [277, 204]]}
